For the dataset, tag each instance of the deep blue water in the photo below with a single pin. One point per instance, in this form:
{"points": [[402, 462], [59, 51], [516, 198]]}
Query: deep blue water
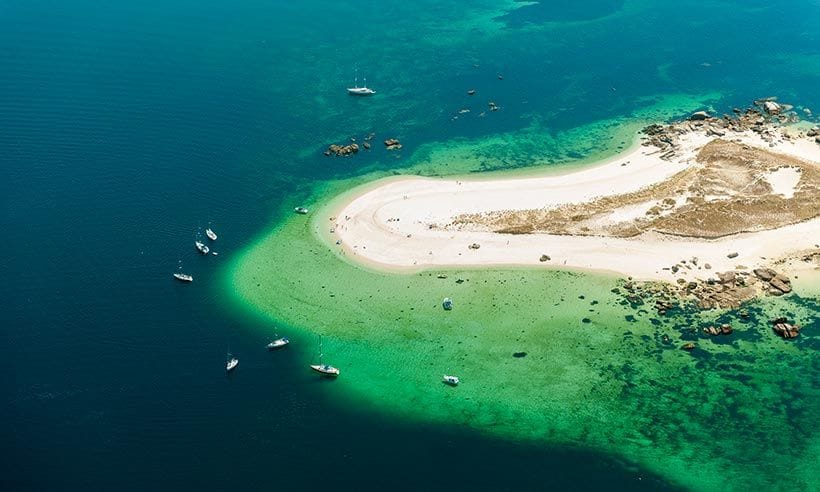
{"points": [[126, 126]]}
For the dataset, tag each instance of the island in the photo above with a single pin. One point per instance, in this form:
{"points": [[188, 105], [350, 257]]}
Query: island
{"points": [[732, 200]]}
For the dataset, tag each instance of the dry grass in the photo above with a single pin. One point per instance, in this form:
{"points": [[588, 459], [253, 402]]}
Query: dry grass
{"points": [[725, 193]]}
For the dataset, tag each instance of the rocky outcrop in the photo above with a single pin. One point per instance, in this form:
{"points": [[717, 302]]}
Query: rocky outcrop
{"points": [[724, 329], [342, 150], [785, 329], [392, 144], [726, 290], [780, 284], [762, 119]]}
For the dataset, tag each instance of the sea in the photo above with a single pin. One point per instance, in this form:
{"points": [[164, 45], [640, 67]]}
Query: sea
{"points": [[127, 128]]}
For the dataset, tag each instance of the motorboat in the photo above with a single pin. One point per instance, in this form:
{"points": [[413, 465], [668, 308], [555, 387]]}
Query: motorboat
{"points": [[232, 363], [300, 210], [447, 304], [200, 246], [451, 380], [211, 234], [278, 343], [183, 277]]}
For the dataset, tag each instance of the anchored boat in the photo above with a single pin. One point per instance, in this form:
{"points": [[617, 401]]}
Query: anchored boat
{"points": [[278, 343], [183, 277], [200, 246], [451, 380], [322, 368], [360, 91], [232, 363]]}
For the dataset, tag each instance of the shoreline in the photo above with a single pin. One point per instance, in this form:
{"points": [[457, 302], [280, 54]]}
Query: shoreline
{"points": [[404, 224]]}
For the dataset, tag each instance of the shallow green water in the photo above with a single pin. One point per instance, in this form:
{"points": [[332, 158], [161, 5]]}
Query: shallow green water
{"points": [[598, 373]]}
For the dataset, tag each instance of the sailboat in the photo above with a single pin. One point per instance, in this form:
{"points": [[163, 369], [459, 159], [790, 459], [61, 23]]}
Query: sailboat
{"points": [[359, 91], [232, 363], [322, 368]]}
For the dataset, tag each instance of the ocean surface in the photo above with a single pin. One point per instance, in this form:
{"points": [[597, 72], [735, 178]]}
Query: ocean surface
{"points": [[126, 128]]}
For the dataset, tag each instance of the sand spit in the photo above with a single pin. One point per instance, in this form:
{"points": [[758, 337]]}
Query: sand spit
{"points": [[736, 193]]}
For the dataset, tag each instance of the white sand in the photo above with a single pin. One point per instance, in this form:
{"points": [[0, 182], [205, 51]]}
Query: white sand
{"points": [[374, 226], [783, 180]]}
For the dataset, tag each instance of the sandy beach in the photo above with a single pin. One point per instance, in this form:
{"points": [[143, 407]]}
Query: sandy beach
{"points": [[408, 224]]}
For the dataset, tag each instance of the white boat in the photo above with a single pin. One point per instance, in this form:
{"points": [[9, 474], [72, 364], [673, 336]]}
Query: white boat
{"points": [[451, 380], [200, 246], [211, 234], [360, 91], [447, 304], [183, 277], [232, 363], [321, 368], [300, 210], [278, 343]]}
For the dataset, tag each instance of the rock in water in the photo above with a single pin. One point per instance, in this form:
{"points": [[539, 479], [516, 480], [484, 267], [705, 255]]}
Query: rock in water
{"points": [[786, 330], [699, 115], [771, 107], [781, 283]]}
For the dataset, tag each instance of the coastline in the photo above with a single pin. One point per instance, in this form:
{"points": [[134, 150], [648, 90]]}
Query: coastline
{"points": [[588, 349], [404, 224]]}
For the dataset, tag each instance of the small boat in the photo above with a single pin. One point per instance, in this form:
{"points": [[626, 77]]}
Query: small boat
{"points": [[183, 277], [471, 92], [211, 234], [278, 343], [232, 363], [300, 210], [447, 304], [322, 368], [200, 246], [451, 380], [360, 91]]}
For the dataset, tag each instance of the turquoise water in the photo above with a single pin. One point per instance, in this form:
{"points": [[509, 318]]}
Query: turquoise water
{"points": [[126, 126]]}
